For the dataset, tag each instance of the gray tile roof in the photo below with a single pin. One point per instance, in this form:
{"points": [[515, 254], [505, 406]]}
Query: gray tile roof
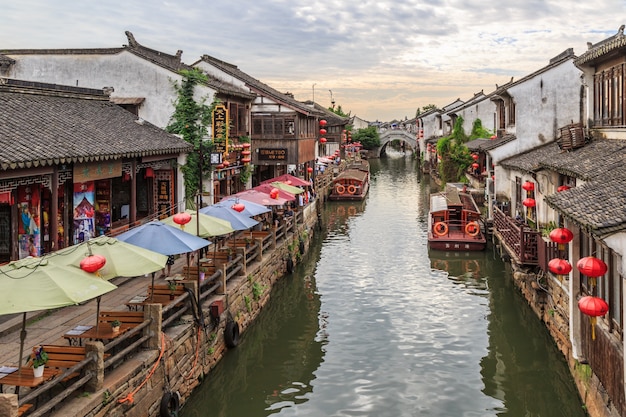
{"points": [[482, 144], [600, 204], [603, 48], [44, 124], [258, 86]]}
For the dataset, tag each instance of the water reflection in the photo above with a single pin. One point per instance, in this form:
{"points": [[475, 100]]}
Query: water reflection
{"points": [[375, 324]]}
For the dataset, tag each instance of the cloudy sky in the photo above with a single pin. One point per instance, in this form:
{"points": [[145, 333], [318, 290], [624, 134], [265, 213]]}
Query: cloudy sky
{"points": [[380, 59]]}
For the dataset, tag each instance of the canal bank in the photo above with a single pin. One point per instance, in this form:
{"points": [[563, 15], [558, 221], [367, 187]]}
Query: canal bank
{"points": [[152, 369]]}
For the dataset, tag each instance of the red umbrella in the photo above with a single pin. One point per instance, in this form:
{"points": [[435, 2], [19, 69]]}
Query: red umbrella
{"points": [[289, 179], [268, 188]]}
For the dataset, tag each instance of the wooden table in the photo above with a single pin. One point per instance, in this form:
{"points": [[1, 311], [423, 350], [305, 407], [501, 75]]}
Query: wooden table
{"points": [[27, 377], [136, 302], [102, 333]]}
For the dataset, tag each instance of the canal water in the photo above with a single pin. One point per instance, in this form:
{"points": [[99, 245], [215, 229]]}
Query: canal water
{"points": [[374, 324]]}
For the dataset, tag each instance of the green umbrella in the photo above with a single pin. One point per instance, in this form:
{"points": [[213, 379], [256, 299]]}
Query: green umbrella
{"points": [[122, 259], [34, 284], [202, 225], [286, 187]]}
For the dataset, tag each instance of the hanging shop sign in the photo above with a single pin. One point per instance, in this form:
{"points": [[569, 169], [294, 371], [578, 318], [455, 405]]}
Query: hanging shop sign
{"points": [[220, 129], [272, 154], [164, 198], [91, 171]]}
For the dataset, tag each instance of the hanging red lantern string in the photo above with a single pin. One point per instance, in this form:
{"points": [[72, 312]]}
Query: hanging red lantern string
{"points": [[561, 236], [93, 263], [182, 219], [593, 307], [592, 267]]}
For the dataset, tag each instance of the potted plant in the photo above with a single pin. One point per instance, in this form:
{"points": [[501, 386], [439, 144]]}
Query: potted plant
{"points": [[172, 286], [40, 358], [115, 326], [202, 273]]}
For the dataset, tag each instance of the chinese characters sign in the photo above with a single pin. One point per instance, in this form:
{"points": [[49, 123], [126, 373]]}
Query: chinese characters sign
{"points": [[272, 154], [220, 129]]}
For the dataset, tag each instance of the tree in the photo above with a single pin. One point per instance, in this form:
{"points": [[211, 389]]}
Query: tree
{"points": [[191, 120], [455, 157], [338, 111], [425, 109], [368, 137], [478, 131]]}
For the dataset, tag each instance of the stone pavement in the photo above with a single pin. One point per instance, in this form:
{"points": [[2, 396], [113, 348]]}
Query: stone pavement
{"points": [[48, 327]]}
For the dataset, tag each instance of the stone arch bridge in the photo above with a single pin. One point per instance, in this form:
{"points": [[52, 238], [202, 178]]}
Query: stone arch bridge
{"points": [[395, 134]]}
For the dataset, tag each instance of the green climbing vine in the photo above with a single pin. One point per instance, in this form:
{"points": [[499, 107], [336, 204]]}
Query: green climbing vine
{"points": [[191, 120], [455, 157]]}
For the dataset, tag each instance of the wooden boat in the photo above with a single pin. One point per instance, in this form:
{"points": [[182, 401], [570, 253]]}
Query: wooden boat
{"points": [[454, 222], [352, 183]]}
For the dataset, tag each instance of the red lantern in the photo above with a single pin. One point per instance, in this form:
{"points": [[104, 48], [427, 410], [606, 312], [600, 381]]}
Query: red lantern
{"points": [[274, 193], [93, 263], [182, 219], [246, 146], [322, 140], [559, 266], [591, 266], [245, 160], [561, 236], [563, 188], [493, 137], [238, 207], [322, 132], [529, 202], [528, 186], [593, 307], [475, 157], [149, 173], [309, 170], [220, 166], [323, 122], [475, 165], [226, 164], [126, 177]]}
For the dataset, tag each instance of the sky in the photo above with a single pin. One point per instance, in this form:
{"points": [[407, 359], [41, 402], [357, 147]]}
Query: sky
{"points": [[379, 60]]}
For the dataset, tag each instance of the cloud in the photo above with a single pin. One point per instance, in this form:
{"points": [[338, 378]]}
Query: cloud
{"points": [[381, 59]]}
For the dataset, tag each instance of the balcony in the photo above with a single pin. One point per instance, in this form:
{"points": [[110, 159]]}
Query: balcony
{"points": [[525, 245]]}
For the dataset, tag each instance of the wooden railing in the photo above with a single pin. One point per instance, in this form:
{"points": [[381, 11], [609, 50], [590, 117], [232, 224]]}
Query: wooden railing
{"points": [[521, 242]]}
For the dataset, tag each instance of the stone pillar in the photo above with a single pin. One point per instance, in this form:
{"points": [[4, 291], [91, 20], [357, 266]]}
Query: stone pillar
{"points": [[96, 367], [153, 311], [8, 405]]}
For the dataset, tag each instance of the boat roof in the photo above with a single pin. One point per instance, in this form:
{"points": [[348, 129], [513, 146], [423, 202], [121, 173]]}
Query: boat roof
{"points": [[452, 197], [354, 174]]}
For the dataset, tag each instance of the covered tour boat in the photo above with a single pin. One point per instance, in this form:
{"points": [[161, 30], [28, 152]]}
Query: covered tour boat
{"points": [[352, 183], [455, 222]]}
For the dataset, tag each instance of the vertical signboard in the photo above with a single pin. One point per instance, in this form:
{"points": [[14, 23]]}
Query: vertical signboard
{"points": [[220, 129]]}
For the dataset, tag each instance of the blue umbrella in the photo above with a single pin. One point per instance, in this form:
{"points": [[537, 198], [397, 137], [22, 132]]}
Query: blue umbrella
{"points": [[251, 209], [162, 238], [238, 221]]}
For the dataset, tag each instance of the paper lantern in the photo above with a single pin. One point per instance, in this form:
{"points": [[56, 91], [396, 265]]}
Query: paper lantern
{"points": [[245, 153], [93, 263], [323, 122], [245, 146], [322, 140], [245, 160], [475, 157], [529, 202], [593, 307], [322, 132], [226, 164], [563, 188], [149, 173], [274, 193], [559, 266], [592, 267], [238, 207], [475, 165], [528, 186], [309, 170], [561, 236], [182, 219]]}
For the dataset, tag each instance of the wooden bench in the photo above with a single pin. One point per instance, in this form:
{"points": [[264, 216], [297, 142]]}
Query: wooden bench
{"points": [[191, 272], [65, 357], [129, 319], [164, 289]]}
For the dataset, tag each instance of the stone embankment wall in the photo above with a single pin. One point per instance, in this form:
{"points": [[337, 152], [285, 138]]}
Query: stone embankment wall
{"points": [[183, 354], [549, 299]]}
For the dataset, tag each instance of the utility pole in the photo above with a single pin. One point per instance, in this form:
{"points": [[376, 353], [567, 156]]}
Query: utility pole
{"points": [[332, 100], [314, 84]]}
